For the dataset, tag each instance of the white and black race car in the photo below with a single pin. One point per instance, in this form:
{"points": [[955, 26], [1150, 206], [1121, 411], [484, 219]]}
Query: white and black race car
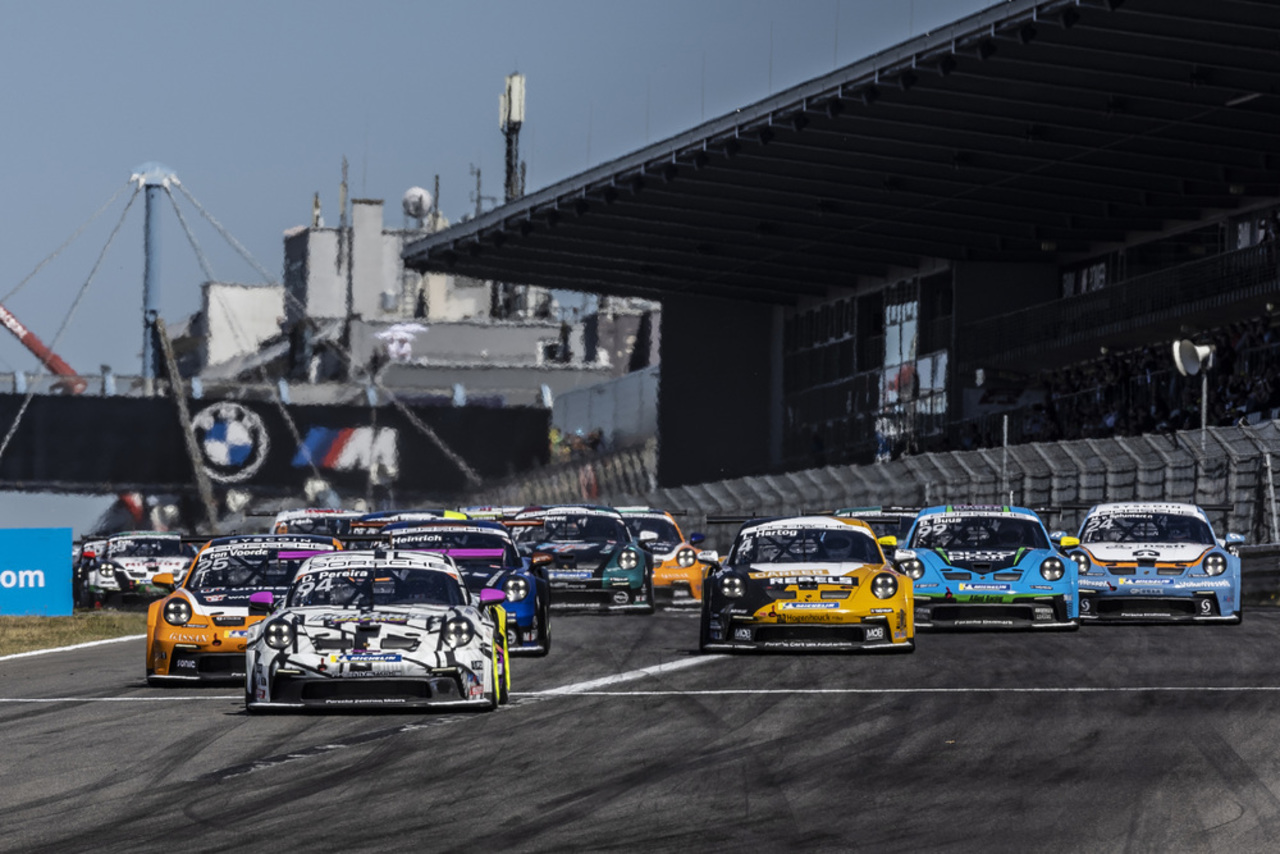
{"points": [[121, 567], [377, 629]]}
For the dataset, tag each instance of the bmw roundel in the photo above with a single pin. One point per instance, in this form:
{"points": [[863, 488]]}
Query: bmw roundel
{"points": [[232, 439]]}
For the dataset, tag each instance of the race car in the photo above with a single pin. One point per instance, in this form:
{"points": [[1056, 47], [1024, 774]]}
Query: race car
{"points": [[123, 567], [486, 556], [1156, 562], [805, 583], [885, 521], [377, 629], [677, 575], [588, 556], [988, 567], [198, 632], [364, 529], [314, 520]]}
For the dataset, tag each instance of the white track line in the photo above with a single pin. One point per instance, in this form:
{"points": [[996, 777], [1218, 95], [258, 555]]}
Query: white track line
{"points": [[591, 685], [587, 692], [73, 646], [117, 699]]}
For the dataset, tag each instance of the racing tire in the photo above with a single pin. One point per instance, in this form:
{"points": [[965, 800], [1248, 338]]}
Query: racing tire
{"points": [[704, 627], [504, 693], [544, 629]]}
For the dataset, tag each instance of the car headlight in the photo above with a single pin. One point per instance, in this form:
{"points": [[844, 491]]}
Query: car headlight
{"points": [[733, 586], [884, 586], [1215, 564], [177, 612], [1052, 569], [458, 632], [628, 559], [1082, 561], [913, 568], [516, 588], [686, 558], [278, 634]]}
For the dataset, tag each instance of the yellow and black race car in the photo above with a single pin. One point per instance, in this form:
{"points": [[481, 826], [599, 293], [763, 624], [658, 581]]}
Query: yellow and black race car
{"points": [[805, 582]]}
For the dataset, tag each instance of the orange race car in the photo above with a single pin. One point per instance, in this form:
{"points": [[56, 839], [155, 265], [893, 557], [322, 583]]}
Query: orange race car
{"points": [[198, 632], [677, 575]]}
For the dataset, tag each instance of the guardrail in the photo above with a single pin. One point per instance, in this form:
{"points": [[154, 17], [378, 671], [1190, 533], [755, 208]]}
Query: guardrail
{"points": [[1260, 574]]}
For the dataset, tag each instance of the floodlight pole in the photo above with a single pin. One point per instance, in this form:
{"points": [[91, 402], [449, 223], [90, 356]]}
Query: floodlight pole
{"points": [[1204, 408], [156, 178]]}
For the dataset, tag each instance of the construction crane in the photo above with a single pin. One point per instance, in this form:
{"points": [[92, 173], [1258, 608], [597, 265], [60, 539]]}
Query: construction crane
{"points": [[71, 381]]}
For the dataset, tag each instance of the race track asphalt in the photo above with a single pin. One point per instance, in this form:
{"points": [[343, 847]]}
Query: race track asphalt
{"points": [[1124, 739]]}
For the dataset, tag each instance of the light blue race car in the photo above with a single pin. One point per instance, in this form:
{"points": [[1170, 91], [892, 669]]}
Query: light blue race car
{"points": [[988, 567], [1156, 562]]}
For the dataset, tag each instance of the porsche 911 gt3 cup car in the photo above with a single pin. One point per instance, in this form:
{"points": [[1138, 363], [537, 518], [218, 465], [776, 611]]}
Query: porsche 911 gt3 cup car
{"points": [[1156, 562], [806, 582], [677, 575], [589, 557], [123, 567], [486, 555], [199, 631], [314, 520], [884, 521], [988, 567], [377, 629]]}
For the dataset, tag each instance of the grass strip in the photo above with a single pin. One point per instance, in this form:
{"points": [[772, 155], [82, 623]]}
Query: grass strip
{"points": [[24, 634]]}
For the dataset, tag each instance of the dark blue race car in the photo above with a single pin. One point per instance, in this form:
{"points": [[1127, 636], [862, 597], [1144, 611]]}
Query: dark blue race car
{"points": [[487, 558]]}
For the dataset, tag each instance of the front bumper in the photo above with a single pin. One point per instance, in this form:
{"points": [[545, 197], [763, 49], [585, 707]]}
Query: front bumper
{"points": [[320, 692], [1039, 612], [1199, 607], [183, 665], [609, 593]]}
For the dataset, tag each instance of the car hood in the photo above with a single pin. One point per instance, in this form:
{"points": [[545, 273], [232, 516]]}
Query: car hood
{"points": [[1134, 552]]}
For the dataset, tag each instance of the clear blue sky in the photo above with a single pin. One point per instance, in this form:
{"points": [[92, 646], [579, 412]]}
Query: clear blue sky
{"points": [[254, 104]]}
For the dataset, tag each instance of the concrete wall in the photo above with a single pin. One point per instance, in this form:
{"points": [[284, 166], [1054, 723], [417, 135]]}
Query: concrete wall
{"points": [[238, 318], [716, 389], [625, 409]]}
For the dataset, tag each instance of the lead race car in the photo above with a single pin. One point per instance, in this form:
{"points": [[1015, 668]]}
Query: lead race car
{"points": [[988, 567], [377, 629], [198, 632], [805, 582], [486, 555], [589, 557], [1156, 562]]}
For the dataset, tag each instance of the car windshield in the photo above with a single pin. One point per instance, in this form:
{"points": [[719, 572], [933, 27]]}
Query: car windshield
{"points": [[1137, 527], [805, 545], [468, 548], [987, 533], [317, 524], [374, 586], [668, 534], [886, 526], [579, 528], [147, 547], [248, 566]]}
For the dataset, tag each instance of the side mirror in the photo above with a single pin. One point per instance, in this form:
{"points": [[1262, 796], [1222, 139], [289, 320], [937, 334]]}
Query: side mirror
{"points": [[889, 540], [492, 596], [1067, 542], [262, 602], [1055, 537], [1234, 539], [648, 538], [540, 559], [163, 579], [696, 538], [88, 555], [711, 557]]}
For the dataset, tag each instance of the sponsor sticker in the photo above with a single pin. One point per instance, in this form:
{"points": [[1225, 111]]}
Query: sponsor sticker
{"points": [[803, 606], [569, 573], [365, 656], [1135, 581], [984, 588]]}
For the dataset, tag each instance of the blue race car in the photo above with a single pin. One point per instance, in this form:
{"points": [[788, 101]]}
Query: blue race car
{"points": [[485, 554], [1156, 562], [988, 567]]}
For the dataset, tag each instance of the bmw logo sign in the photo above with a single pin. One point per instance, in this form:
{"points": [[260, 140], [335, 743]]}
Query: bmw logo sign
{"points": [[232, 440]]}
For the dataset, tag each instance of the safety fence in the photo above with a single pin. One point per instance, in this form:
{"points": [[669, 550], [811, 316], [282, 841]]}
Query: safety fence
{"points": [[1227, 470]]}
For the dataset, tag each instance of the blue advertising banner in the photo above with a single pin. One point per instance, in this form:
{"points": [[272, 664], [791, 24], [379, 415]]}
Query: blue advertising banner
{"points": [[35, 572]]}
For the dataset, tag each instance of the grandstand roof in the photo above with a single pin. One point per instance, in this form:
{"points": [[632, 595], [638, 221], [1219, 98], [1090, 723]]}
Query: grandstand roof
{"points": [[1027, 130]]}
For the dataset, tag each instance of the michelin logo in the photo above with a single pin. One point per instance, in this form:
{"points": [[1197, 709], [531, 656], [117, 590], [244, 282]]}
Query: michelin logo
{"points": [[10, 579]]}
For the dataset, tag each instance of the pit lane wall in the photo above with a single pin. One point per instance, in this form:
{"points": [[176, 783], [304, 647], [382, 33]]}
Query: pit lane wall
{"points": [[1225, 470]]}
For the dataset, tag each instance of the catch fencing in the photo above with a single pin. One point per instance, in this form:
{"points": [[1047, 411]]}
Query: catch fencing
{"points": [[1226, 470]]}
